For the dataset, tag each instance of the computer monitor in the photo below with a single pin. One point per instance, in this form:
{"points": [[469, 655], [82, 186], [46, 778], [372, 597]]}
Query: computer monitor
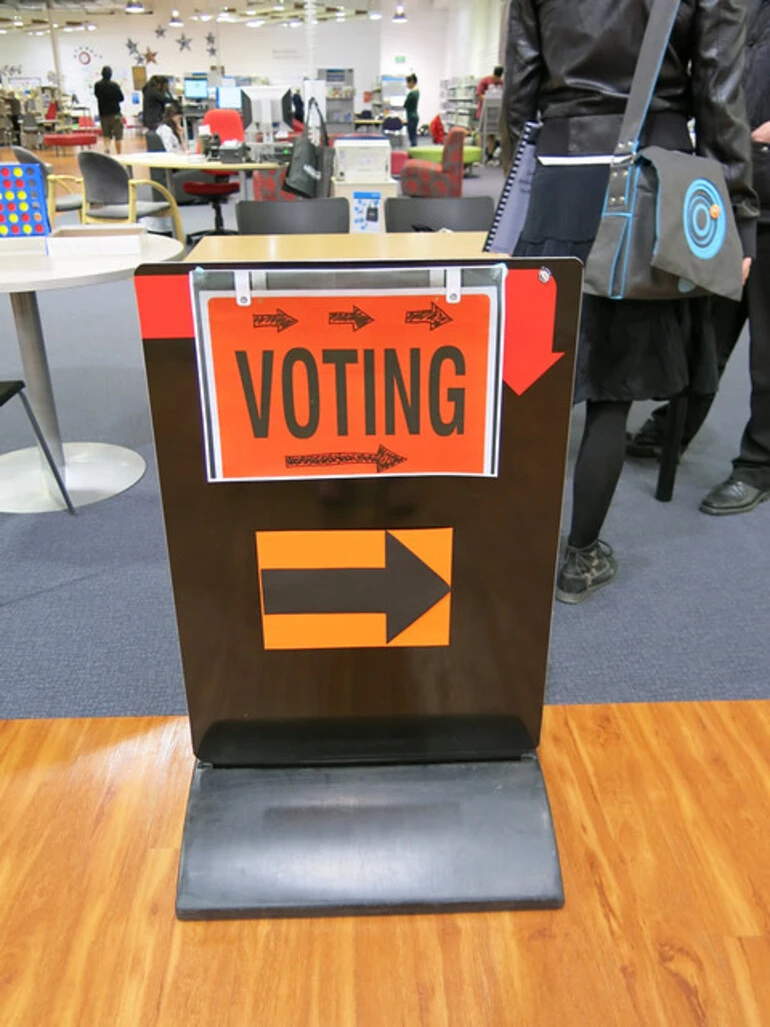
{"points": [[262, 108], [196, 89], [287, 108], [229, 97], [227, 81]]}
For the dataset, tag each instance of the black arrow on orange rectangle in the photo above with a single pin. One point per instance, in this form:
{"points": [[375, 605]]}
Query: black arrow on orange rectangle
{"points": [[383, 459], [357, 318], [404, 589], [435, 317], [280, 320]]}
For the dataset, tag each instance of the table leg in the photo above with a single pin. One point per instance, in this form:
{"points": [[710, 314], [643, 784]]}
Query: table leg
{"points": [[35, 363], [91, 471]]}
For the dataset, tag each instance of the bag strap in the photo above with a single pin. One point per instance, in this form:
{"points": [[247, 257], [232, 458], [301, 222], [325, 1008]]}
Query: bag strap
{"points": [[648, 65], [313, 103]]}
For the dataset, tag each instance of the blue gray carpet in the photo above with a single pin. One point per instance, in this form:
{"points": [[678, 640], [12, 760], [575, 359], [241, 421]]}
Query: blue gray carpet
{"points": [[86, 616]]}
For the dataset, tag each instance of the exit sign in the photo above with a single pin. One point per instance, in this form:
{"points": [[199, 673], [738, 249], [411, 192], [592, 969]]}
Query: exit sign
{"points": [[401, 58]]}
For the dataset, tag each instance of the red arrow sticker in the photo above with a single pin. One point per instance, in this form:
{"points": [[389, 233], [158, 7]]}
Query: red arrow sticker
{"points": [[530, 319]]}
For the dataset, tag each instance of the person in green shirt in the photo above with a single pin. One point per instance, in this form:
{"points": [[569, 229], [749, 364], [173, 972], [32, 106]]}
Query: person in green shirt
{"points": [[410, 108]]}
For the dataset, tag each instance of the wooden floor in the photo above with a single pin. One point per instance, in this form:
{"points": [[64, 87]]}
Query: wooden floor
{"points": [[663, 821]]}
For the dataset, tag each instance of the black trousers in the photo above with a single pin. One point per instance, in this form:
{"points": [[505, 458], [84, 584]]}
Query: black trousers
{"points": [[752, 465]]}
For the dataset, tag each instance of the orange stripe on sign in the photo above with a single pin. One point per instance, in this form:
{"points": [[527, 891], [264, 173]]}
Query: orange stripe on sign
{"points": [[311, 550], [165, 310], [355, 589]]}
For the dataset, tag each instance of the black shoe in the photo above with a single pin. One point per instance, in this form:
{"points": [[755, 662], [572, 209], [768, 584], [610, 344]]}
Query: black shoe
{"points": [[584, 571], [647, 443], [733, 497]]}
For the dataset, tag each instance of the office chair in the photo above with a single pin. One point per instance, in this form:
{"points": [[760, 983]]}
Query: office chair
{"points": [[312, 217], [109, 194], [56, 204], [460, 214], [9, 389]]}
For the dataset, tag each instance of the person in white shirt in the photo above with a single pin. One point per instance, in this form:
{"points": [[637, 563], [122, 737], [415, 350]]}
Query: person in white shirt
{"points": [[170, 129]]}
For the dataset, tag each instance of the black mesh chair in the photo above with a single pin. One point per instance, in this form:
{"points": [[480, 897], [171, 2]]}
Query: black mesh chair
{"points": [[311, 217], [111, 195], [9, 389], [57, 204], [430, 214]]}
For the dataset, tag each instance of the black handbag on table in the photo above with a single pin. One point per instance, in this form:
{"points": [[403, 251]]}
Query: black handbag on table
{"points": [[310, 167], [667, 229]]}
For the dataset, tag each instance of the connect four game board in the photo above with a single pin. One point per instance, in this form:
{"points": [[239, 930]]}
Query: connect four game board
{"points": [[23, 210]]}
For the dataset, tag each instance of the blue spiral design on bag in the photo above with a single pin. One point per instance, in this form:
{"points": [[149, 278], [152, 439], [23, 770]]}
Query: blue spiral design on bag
{"points": [[704, 233]]}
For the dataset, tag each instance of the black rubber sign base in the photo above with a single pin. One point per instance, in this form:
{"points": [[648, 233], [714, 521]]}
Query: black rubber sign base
{"points": [[380, 839]]}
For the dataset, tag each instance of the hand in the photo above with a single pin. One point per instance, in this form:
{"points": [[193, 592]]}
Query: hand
{"points": [[746, 268], [762, 134]]}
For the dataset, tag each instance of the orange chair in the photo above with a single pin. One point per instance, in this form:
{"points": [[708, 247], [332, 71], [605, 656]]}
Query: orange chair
{"points": [[424, 178]]}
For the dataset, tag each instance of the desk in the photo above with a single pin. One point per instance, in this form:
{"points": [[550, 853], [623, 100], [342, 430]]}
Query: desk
{"points": [[93, 471], [171, 162], [398, 246]]}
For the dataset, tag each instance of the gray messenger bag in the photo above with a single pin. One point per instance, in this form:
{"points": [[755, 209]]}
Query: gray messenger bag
{"points": [[667, 229]]}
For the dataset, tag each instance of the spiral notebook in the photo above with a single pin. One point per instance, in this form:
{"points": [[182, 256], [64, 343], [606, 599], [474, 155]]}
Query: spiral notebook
{"points": [[514, 199]]}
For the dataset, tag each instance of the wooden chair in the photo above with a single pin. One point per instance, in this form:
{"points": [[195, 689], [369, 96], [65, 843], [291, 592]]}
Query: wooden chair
{"points": [[109, 194]]}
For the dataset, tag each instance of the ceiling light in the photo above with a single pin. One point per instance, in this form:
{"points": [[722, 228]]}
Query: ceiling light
{"points": [[18, 22], [375, 15], [400, 15], [254, 24], [250, 12], [91, 27], [134, 7], [175, 22], [295, 24]]}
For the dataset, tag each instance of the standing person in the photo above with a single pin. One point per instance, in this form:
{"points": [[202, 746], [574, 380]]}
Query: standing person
{"points": [[109, 97], [495, 79], [155, 96], [410, 108], [749, 483], [576, 70], [14, 113]]}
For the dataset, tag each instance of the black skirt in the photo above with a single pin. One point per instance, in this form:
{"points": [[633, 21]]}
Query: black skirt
{"points": [[629, 349]]}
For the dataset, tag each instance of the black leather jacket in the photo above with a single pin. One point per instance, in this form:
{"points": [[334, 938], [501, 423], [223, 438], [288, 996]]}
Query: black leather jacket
{"points": [[570, 62]]}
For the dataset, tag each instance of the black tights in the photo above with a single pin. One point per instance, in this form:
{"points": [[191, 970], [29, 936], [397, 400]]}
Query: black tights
{"points": [[598, 467]]}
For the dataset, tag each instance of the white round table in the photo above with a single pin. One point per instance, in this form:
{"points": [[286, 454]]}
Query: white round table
{"points": [[92, 471]]}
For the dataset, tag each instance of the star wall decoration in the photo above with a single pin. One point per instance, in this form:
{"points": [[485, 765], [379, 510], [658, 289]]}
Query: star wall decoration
{"points": [[184, 42], [150, 56], [160, 31], [132, 47], [211, 39], [211, 51]]}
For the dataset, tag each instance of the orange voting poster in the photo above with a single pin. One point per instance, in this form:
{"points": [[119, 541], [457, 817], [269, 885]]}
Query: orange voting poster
{"points": [[355, 589], [317, 385]]}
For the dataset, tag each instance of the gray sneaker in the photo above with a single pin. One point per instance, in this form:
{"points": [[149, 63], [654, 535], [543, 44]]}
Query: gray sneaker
{"points": [[584, 571]]}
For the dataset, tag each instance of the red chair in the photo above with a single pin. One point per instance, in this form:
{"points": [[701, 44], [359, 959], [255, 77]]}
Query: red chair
{"points": [[424, 178], [215, 192], [227, 124], [268, 184]]}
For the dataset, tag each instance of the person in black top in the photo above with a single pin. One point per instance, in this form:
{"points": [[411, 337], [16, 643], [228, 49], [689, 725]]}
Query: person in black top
{"points": [[410, 108], [571, 62], [749, 483], [156, 96], [109, 97]]}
